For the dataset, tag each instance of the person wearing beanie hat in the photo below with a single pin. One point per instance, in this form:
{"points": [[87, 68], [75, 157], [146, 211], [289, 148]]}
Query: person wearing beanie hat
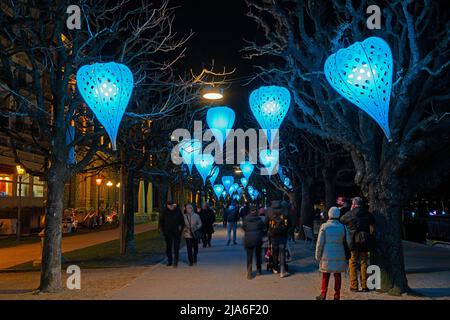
{"points": [[330, 252]]}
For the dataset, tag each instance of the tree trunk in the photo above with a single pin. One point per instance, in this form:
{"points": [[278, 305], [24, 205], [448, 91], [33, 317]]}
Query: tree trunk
{"points": [[386, 199], [307, 205], [51, 253], [130, 246], [329, 179]]}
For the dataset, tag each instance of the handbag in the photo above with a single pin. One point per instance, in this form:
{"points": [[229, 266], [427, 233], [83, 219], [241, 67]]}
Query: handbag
{"points": [[197, 234], [347, 251]]}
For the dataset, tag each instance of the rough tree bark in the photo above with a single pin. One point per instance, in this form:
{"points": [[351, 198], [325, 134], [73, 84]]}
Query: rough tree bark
{"points": [[130, 245], [307, 204]]}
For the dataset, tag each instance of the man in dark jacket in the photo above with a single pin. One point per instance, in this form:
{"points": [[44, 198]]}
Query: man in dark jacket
{"points": [[231, 216], [171, 223], [208, 218], [277, 223], [254, 229], [360, 224]]}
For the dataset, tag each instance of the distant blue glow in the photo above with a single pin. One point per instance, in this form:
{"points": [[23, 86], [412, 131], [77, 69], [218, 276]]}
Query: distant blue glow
{"points": [[247, 169], [204, 163], [244, 182], [106, 88], [239, 191], [227, 182], [235, 187], [362, 74], [269, 106], [269, 158], [189, 149], [413, 214], [220, 120], [224, 195], [218, 189], [213, 175]]}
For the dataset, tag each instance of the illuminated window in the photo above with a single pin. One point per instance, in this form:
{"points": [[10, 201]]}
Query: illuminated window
{"points": [[6, 185], [38, 187], [26, 179]]}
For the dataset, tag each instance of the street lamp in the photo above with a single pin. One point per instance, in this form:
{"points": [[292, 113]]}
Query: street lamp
{"points": [[109, 184], [98, 181], [20, 172]]}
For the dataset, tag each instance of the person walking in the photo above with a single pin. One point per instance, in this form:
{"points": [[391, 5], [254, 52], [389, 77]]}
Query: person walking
{"points": [[192, 226], [208, 218], [171, 223], [254, 231], [244, 210], [330, 253], [231, 217], [361, 226], [278, 225]]}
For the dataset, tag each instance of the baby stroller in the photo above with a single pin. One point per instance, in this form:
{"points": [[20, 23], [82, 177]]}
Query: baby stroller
{"points": [[269, 258]]}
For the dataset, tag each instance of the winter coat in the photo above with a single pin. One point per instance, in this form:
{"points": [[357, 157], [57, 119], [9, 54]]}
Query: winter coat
{"points": [[195, 224], [171, 222], [357, 219], [208, 218], [254, 229], [330, 247], [231, 214], [275, 210]]}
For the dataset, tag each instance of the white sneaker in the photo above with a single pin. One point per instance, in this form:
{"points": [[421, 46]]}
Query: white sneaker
{"points": [[275, 271], [284, 275]]}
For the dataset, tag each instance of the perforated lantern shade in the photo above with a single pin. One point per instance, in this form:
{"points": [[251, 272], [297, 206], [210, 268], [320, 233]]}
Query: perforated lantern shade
{"points": [[227, 182], [220, 120], [362, 74], [218, 189], [204, 163], [269, 105], [189, 149], [106, 88]]}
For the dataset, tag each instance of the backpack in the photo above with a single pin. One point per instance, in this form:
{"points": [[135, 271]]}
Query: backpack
{"points": [[278, 225]]}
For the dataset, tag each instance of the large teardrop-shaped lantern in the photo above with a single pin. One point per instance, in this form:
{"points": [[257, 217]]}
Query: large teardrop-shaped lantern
{"points": [[106, 88], [247, 169], [227, 182], [204, 163], [189, 149], [362, 73], [220, 120], [218, 189], [269, 106]]}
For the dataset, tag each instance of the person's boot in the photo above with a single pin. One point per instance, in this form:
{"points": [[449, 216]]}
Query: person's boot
{"points": [[258, 271], [337, 295], [169, 264], [321, 296]]}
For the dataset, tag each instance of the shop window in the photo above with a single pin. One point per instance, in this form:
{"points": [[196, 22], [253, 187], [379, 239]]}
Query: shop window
{"points": [[26, 179], [38, 187], [6, 185]]}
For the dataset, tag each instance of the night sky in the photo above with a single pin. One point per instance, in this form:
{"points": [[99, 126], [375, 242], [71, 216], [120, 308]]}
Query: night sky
{"points": [[220, 27]]}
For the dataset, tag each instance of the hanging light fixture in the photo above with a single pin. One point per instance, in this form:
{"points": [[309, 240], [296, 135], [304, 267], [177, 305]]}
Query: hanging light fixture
{"points": [[227, 182], [106, 88], [204, 163], [362, 74], [247, 169], [269, 158], [212, 93], [218, 189], [213, 174], [244, 182], [189, 149], [220, 120]]}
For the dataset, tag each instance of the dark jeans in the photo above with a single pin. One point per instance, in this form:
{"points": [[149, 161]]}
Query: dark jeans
{"points": [[192, 249], [250, 251], [172, 242], [206, 239], [279, 256]]}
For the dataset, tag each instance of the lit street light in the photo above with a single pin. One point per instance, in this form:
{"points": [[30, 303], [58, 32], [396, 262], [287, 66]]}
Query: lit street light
{"points": [[20, 172]]}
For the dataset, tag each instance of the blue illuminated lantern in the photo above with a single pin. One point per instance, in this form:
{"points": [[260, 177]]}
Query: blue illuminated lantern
{"points": [[255, 194], [106, 88], [362, 74], [269, 158], [204, 163], [269, 105], [247, 169], [227, 182], [213, 175], [220, 120], [239, 191], [224, 195], [218, 189], [189, 149], [235, 187], [244, 182]]}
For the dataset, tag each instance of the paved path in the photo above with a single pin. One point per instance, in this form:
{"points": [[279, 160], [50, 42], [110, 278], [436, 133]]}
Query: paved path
{"points": [[13, 256], [221, 274]]}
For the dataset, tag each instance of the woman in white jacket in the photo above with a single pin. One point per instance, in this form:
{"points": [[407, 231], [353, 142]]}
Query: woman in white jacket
{"points": [[192, 223], [330, 252]]}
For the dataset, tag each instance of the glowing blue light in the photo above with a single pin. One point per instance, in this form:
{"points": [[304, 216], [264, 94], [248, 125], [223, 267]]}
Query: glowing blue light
{"points": [[362, 73], [235, 187], [239, 191], [106, 88], [218, 189], [189, 149], [255, 194], [269, 158], [227, 182], [204, 163], [247, 169], [220, 120], [269, 106], [413, 214], [213, 175], [244, 182]]}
